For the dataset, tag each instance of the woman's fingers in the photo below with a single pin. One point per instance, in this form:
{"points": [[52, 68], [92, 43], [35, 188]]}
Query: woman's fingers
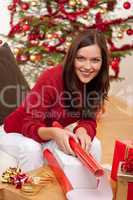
{"points": [[63, 143], [88, 146], [70, 134], [85, 141], [69, 149], [82, 142]]}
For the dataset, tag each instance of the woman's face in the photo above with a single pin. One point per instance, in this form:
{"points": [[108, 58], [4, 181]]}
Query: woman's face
{"points": [[88, 62]]}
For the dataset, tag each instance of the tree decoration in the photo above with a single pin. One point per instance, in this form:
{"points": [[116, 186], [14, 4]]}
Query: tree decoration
{"points": [[130, 31], [127, 5], [24, 6], [115, 65], [25, 27], [43, 30]]}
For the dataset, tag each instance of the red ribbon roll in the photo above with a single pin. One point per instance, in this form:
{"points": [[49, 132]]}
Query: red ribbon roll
{"points": [[85, 158]]}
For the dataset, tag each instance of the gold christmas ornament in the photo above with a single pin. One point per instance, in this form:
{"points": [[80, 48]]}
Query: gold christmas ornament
{"points": [[34, 3], [16, 50], [36, 57], [78, 1], [33, 58], [103, 10], [120, 35], [49, 36], [72, 3]]}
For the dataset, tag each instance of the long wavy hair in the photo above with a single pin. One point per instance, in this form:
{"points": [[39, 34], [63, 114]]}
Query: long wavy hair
{"points": [[98, 87]]}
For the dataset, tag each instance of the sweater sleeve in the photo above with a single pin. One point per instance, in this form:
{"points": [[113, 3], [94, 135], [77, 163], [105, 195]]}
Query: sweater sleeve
{"points": [[89, 125], [37, 106], [32, 113]]}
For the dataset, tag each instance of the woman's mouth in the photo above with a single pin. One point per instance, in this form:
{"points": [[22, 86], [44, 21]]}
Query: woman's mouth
{"points": [[84, 73]]}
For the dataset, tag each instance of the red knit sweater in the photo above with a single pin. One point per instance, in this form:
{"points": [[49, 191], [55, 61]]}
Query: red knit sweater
{"points": [[42, 106]]}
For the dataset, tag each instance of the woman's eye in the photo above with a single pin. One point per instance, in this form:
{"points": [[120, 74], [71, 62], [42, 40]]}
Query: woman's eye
{"points": [[80, 58], [96, 60]]}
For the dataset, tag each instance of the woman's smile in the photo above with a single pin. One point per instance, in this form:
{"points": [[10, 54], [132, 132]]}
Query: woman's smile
{"points": [[85, 72]]}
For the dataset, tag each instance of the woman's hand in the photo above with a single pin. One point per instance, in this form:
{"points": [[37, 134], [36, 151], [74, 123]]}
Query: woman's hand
{"points": [[61, 137], [83, 138]]}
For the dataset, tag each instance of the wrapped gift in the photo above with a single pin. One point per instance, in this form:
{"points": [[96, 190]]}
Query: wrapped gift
{"points": [[81, 177], [125, 180], [76, 181], [122, 152]]}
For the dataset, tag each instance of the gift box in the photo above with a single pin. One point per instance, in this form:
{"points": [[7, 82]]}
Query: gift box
{"points": [[76, 182], [123, 150], [76, 172], [78, 175], [124, 181]]}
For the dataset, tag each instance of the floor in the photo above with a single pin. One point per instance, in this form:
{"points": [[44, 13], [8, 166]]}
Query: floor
{"points": [[115, 124]]}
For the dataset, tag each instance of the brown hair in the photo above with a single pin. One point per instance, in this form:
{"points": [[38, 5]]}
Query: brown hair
{"points": [[100, 83]]}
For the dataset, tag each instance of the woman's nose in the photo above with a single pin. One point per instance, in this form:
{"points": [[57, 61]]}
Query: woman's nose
{"points": [[88, 64]]}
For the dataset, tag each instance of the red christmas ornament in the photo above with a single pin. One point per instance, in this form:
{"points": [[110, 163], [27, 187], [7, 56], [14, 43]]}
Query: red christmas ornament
{"points": [[15, 29], [115, 66], [130, 31], [127, 5], [93, 3], [26, 27], [25, 6], [1, 41]]}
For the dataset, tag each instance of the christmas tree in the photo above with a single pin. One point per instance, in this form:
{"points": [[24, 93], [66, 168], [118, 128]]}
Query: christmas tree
{"points": [[41, 31]]}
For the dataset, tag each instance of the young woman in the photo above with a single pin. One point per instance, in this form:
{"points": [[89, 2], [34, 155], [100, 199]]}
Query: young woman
{"points": [[70, 92]]}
